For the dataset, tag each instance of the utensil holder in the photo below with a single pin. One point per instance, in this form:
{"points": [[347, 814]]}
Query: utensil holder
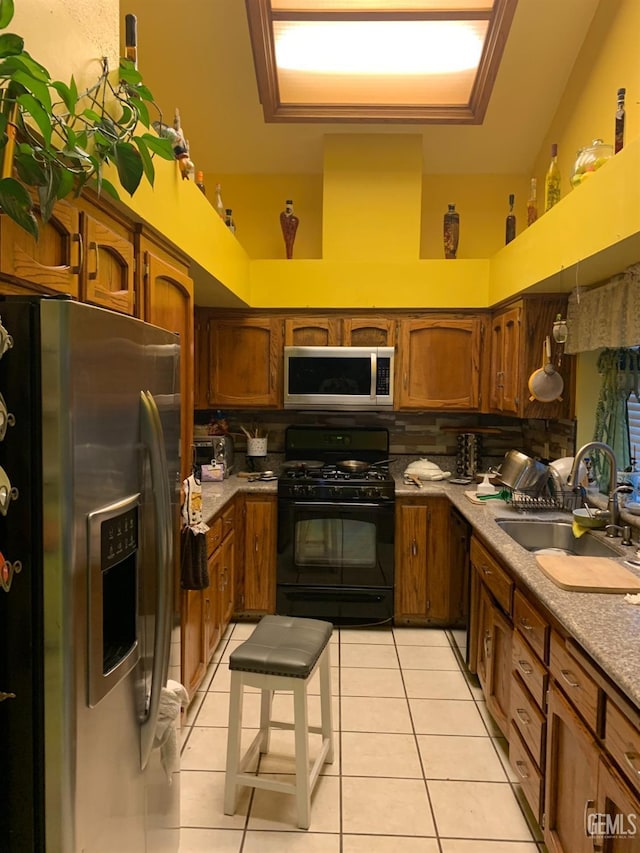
{"points": [[256, 447]]}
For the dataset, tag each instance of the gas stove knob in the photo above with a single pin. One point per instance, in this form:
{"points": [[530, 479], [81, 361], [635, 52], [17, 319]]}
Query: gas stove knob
{"points": [[335, 490], [373, 492]]}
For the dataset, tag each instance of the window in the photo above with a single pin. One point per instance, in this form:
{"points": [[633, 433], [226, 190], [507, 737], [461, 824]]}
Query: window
{"points": [[633, 415]]}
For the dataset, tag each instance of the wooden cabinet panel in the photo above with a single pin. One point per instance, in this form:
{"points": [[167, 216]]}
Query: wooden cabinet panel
{"points": [[193, 646], [528, 719], [529, 668], [312, 332], [494, 659], [201, 359], [534, 628], [575, 681], [492, 575], [616, 821], [108, 274], [245, 361], [459, 567], [260, 533], [570, 779], [168, 302], [423, 573], [622, 739], [527, 772], [505, 350], [227, 581], [50, 265], [439, 363], [368, 332]]}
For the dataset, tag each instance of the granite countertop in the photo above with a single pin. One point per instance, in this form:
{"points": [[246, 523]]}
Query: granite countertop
{"points": [[605, 625]]}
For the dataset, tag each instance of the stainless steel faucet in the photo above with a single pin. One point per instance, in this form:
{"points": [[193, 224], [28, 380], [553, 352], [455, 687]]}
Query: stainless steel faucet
{"points": [[612, 505]]}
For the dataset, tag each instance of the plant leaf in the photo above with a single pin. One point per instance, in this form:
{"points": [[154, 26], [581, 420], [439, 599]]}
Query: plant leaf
{"points": [[26, 63], [11, 44], [109, 188], [47, 196], [29, 170], [37, 88], [161, 147], [141, 109], [93, 115], [144, 93], [129, 73], [147, 162], [6, 12], [66, 94], [15, 201], [38, 114], [65, 185], [129, 165]]}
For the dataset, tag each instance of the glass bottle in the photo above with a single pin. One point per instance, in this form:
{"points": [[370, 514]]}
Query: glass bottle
{"points": [[532, 202], [451, 232], [510, 225], [220, 208], [131, 39], [229, 221], [552, 180], [620, 115], [289, 224], [200, 182]]}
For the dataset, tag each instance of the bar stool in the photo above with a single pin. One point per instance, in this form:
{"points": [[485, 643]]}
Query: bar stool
{"points": [[282, 653]]}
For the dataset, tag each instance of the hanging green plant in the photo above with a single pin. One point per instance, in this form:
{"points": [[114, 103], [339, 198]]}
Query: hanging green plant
{"points": [[54, 139]]}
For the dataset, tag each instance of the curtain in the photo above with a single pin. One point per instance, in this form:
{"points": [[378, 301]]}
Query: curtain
{"points": [[605, 316], [620, 371]]}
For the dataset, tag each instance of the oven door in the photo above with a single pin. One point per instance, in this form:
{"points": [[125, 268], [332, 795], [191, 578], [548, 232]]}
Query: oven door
{"points": [[335, 560]]}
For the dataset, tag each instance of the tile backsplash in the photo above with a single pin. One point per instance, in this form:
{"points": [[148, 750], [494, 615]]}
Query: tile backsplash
{"points": [[430, 434]]}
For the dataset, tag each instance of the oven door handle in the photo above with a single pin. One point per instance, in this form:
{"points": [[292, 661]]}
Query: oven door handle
{"points": [[333, 505], [374, 375]]}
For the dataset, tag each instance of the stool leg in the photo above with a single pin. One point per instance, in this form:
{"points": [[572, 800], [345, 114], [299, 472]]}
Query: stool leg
{"points": [[301, 724], [233, 743], [326, 710], [265, 719]]}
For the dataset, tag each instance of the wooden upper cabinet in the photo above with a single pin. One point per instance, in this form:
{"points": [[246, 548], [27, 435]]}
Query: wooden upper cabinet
{"points": [[439, 363], [369, 332], [245, 361], [312, 332], [108, 272], [518, 333], [201, 359], [168, 303], [50, 265]]}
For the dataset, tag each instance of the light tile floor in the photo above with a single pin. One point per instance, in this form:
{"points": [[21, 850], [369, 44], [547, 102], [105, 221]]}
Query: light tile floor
{"points": [[419, 762]]}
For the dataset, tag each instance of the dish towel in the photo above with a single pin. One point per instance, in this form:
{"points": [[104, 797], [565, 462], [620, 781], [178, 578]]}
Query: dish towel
{"points": [[577, 529], [173, 697], [194, 572]]}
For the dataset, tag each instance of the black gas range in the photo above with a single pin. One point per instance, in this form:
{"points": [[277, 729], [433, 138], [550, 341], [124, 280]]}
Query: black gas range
{"points": [[336, 526]]}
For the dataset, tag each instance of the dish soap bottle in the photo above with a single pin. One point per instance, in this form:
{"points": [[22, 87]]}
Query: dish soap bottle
{"points": [[451, 232], [552, 180], [510, 229]]}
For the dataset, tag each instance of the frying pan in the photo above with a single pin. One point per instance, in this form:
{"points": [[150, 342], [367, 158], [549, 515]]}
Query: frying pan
{"points": [[545, 383], [354, 466]]}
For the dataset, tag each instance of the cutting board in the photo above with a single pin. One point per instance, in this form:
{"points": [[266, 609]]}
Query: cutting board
{"points": [[588, 574], [472, 496]]}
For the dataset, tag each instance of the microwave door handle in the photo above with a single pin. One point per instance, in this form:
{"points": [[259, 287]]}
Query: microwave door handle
{"points": [[374, 375], [153, 439]]}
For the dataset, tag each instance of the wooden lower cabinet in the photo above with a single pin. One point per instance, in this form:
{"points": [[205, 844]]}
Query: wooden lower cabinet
{"points": [[193, 640], [494, 659], [427, 586], [258, 583]]}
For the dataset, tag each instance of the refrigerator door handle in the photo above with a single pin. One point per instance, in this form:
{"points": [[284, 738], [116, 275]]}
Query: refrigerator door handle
{"points": [[153, 438]]}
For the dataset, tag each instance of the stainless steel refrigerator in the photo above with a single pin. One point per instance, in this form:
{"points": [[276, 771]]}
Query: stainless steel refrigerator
{"points": [[89, 633]]}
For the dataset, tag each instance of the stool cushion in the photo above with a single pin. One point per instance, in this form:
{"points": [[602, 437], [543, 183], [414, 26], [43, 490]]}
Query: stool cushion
{"points": [[282, 645]]}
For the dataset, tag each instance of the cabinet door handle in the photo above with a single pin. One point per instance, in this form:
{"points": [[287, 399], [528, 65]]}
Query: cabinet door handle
{"points": [[523, 716], [255, 540], [521, 767], [93, 247], [78, 239], [4, 696], [525, 624], [487, 645], [486, 569], [588, 805], [569, 677], [632, 760], [414, 548], [525, 667]]}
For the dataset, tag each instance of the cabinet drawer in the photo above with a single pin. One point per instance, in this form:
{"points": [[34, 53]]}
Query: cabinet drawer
{"points": [[531, 624], [575, 681], [528, 718], [529, 668], [493, 575], [528, 774], [228, 519], [214, 534], [622, 739]]}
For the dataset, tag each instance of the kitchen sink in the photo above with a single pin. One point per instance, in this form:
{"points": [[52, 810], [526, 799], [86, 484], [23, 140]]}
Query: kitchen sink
{"points": [[556, 537]]}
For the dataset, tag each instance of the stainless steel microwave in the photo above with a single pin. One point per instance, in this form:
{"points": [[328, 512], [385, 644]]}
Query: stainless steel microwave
{"points": [[338, 377]]}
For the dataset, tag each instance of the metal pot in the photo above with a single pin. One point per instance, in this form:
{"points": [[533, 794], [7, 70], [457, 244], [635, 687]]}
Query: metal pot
{"points": [[521, 473]]}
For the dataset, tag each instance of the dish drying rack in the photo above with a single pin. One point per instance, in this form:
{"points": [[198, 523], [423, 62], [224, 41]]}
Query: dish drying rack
{"points": [[535, 501]]}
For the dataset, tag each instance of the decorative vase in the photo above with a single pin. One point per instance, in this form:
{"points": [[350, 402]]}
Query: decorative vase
{"points": [[451, 232], [289, 224]]}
